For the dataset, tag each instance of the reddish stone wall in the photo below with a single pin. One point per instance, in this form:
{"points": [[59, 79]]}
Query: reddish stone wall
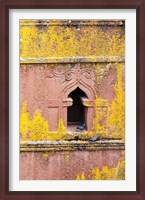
{"points": [[46, 87], [64, 165], [56, 58]]}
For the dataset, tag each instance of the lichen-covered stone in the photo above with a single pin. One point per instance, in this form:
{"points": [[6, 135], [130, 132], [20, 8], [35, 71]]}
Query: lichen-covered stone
{"points": [[46, 39]]}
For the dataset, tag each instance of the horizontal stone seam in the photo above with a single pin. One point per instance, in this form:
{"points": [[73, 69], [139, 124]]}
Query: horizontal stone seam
{"points": [[56, 142], [73, 144], [77, 144], [69, 149], [74, 23], [83, 59], [65, 147], [38, 147], [42, 143]]}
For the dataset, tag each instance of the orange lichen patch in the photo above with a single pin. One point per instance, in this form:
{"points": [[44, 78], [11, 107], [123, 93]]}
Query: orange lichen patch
{"points": [[41, 41]]}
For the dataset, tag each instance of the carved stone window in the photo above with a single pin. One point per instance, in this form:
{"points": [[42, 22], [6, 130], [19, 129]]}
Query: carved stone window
{"points": [[76, 113]]}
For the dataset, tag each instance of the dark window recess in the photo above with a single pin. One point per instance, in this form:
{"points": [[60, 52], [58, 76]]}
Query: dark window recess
{"points": [[76, 112]]}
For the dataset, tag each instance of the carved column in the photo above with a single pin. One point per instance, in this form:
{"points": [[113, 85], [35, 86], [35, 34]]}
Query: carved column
{"points": [[89, 113], [66, 103]]}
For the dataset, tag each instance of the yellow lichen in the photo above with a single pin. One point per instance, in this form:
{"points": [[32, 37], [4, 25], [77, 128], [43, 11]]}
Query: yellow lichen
{"points": [[60, 133], [116, 173], [61, 128], [24, 120], [116, 110], [109, 120], [81, 176], [38, 127], [67, 156], [43, 41], [120, 170], [118, 44], [38, 41], [87, 134], [45, 155], [97, 126], [100, 113]]}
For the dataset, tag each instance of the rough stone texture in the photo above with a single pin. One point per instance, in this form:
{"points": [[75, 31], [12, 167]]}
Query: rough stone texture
{"points": [[57, 57], [64, 165], [105, 88], [47, 87], [60, 39], [76, 59], [72, 22], [105, 144]]}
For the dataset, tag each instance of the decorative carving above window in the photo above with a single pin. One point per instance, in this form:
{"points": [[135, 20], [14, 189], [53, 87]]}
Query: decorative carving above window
{"points": [[81, 71]]}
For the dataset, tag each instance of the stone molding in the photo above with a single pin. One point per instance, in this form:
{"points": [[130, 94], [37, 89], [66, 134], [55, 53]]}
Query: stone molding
{"points": [[41, 146], [72, 22], [75, 59]]}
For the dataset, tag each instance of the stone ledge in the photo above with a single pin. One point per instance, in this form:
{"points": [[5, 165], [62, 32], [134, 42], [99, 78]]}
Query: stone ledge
{"points": [[41, 146], [76, 59], [72, 22]]}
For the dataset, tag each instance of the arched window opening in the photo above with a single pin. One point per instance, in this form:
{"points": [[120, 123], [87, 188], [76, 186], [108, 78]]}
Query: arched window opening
{"points": [[76, 115]]}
